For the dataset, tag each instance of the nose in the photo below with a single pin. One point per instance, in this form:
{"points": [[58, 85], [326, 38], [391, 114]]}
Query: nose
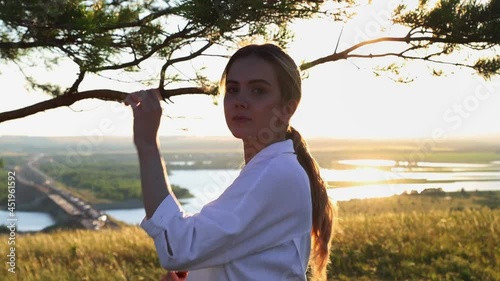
{"points": [[241, 102]]}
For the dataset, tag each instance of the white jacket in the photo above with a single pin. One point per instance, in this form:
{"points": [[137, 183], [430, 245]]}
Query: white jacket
{"points": [[258, 229]]}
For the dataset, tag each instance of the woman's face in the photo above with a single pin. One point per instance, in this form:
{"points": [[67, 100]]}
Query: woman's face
{"points": [[252, 101]]}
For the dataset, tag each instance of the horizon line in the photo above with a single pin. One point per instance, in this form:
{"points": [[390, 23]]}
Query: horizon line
{"points": [[456, 137]]}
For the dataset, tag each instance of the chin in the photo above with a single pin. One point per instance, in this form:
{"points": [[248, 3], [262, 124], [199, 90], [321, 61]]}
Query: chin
{"points": [[240, 133]]}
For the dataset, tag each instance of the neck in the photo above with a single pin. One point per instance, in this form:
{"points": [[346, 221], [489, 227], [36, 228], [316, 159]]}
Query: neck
{"points": [[252, 146]]}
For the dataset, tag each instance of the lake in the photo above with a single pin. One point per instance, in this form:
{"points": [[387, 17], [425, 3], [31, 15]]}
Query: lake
{"points": [[28, 221], [206, 185]]}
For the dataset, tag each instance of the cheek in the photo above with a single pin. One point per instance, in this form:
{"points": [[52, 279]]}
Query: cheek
{"points": [[226, 104], [267, 115]]}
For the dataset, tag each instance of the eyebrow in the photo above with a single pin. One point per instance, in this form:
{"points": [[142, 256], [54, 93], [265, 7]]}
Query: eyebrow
{"points": [[254, 81]]}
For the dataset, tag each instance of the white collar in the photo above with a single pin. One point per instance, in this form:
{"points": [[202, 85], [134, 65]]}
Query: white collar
{"points": [[273, 149]]}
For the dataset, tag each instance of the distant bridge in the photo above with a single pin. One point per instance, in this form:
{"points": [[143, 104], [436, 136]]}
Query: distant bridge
{"points": [[64, 206]]}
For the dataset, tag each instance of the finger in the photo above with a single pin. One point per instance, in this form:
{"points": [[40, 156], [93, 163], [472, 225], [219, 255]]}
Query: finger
{"points": [[140, 95], [157, 93], [153, 94], [132, 100], [171, 276], [126, 100], [151, 99]]}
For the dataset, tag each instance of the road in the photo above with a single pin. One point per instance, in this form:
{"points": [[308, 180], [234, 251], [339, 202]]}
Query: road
{"points": [[75, 208]]}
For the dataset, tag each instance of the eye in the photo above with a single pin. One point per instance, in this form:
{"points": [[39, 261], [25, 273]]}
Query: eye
{"points": [[258, 91], [231, 90]]}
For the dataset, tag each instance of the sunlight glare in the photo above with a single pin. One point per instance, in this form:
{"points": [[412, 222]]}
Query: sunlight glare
{"points": [[354, 175], [364, 192], [369, 162]]}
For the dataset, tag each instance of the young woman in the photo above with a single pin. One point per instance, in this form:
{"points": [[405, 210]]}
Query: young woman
{"points": [[275, 220]]}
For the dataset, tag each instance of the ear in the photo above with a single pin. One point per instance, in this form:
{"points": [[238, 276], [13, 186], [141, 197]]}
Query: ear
{"points": [[290, 107], [287, 110]]}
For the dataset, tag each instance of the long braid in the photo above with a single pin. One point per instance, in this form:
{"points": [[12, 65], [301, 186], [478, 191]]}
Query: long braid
{"points": [[322, 208]]}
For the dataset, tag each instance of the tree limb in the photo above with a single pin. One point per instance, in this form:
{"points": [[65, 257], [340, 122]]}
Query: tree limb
{"points": [[180, 59], [181, 34], [406, 39], [102, 94], [427, 58], [74, 88]]}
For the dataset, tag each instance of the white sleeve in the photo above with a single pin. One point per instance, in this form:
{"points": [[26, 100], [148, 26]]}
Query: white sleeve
{"points": [[261, 209]]}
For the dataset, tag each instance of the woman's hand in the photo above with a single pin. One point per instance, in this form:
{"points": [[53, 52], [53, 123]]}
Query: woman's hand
{"points": [[147, 113], [175, 276]]}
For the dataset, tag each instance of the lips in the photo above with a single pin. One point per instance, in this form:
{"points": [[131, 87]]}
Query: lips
{"points": [[241, 118]]}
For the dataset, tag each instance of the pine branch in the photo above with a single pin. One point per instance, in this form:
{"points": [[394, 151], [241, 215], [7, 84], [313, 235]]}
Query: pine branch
{"points": [[406, 39], [102, 94]]}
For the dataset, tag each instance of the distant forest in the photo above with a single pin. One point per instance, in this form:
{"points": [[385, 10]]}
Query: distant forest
{"points": [[180, 144]]}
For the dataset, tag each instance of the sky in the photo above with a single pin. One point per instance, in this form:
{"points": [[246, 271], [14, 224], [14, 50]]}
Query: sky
{"points": [[344, 99]]}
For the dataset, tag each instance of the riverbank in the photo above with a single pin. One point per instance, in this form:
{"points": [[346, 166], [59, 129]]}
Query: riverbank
{"points": [[453, 199], [430, 200], [126, 204], [132, 212]]}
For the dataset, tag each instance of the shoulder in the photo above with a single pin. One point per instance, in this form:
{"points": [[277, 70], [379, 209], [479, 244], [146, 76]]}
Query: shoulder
{"points": [[287, 168], [281, 174]]}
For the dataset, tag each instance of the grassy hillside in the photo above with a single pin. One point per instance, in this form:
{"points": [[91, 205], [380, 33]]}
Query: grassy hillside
{"points": [[376, 239], [419, 237], [127, 254]]}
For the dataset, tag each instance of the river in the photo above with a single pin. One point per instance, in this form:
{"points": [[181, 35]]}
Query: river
{"points": [[207, 185]]}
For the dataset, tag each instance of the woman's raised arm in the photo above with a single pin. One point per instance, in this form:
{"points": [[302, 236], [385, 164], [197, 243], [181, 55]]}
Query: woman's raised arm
{"points": [[147, 114]]}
